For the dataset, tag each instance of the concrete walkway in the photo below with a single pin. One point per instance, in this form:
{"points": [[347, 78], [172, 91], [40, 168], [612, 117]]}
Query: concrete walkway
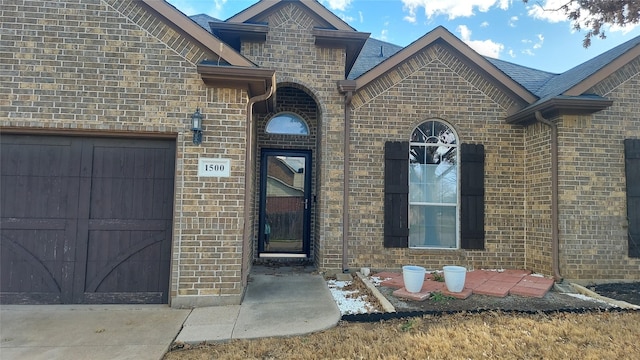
{"points": [[88, 331], [279, 301]]}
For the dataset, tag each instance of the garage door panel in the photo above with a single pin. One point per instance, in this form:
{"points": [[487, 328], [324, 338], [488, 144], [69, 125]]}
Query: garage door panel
{"points": [[34, 187], [88, 218], [33, 260], [134, 184], [125, 262]]}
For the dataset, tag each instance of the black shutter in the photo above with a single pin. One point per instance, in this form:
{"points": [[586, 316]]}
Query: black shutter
{"points": [[396, 194], [472, 196], [632, 169]]}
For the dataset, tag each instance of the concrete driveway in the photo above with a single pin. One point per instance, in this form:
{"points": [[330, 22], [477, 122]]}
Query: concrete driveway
{"points": [[88, 331]]}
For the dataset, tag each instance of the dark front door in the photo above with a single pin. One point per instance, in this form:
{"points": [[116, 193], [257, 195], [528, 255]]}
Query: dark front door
{"points": [[285, 203], [85, 220]]}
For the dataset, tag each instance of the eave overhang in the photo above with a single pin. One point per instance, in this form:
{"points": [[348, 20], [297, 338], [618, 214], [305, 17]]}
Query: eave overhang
{"points": [[353, 41], [188, 27], [574, 105], [256, 81], [234, 33]]}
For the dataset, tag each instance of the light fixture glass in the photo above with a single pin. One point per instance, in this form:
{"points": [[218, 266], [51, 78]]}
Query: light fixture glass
{"points": [[196, 127]]}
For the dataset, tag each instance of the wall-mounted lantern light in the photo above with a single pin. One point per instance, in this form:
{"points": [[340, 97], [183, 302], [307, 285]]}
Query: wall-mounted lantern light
{"points": [[196, 127]]}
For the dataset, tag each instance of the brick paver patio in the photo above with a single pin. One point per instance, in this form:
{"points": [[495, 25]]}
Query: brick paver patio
{"points": [[483, 282]]}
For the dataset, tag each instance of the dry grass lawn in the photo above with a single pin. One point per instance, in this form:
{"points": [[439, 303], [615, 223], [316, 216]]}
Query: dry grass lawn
{"points": [[461, 336]]}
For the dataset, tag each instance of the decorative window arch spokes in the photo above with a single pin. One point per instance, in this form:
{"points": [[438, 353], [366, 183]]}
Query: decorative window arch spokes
{"points": [[433, 186], [287, 123]]}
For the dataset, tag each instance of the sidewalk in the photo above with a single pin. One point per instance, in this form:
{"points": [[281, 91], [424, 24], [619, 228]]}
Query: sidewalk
{"points": [[70, 332], [278, 302]]}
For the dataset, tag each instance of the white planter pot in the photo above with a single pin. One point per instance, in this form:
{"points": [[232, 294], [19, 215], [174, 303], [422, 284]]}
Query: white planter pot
{"points": [[413, 277], [454, 277]]}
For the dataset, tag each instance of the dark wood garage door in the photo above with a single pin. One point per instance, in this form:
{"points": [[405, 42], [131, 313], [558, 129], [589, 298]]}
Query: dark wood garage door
{"points": [[85, 220]]}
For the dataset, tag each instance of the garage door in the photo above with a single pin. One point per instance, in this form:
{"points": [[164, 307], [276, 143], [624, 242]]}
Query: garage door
{"points": [[85, 220]]}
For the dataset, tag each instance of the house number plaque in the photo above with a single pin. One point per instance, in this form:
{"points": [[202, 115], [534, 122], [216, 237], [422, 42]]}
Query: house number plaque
{"points": [[209, 167]]}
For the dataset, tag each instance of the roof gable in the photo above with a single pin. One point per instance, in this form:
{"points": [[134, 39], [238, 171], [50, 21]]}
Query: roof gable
{"points": [[259, 11], [442, 35], [183, 23], [328, 30]]}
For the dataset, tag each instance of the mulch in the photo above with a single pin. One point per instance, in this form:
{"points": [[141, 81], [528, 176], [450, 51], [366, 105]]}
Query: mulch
{"points": [[629, 292]]}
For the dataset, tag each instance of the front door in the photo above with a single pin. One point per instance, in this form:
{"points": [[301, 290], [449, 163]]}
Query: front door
{"points": [[285, 203]]}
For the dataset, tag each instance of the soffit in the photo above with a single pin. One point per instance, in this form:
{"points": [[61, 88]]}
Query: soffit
{"points": [[256, 81], [575, 105]]}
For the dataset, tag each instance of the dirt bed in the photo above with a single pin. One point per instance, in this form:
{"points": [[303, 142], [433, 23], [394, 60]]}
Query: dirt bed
{"points": [[629, 292], [551, 301]]}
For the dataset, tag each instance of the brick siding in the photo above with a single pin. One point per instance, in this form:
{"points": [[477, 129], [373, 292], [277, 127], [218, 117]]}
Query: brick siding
{"points": [[110, 67], [428, 87]]}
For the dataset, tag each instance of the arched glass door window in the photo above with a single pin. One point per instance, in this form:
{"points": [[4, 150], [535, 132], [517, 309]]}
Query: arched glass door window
{"points": [[287, 124], [433, 186]]}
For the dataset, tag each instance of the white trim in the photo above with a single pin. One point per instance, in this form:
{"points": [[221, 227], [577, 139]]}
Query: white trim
{"points": [[448, 204], [282, 255]]}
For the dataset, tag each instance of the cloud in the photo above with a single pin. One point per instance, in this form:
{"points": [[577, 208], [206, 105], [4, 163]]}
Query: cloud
{"points": [[384, 33], [512, 53], [538, 44], [346, 18], [361, 16], [483, 47], [484, 24], [450, 8], [512, 21], [550, 10], [337, 4], [531, 45]]}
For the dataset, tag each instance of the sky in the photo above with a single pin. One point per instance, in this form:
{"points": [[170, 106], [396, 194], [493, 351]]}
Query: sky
{"points": [[529, 34]]}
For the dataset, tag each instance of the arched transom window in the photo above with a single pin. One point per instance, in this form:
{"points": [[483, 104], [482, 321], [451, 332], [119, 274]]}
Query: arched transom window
{"points": [[433, 186], [288, 124]]}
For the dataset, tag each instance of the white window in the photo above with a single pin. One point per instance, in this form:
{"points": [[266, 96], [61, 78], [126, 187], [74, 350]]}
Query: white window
{"points": [[433, 186]]}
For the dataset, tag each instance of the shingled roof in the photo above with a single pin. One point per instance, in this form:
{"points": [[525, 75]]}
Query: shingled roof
{"points": [[203, 20], [544, 85], [531, 79], [563, 82], [373, 53]]}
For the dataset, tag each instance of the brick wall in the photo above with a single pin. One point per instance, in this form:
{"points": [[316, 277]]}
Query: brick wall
{"points": [[435, 84], [537, 162], [110, 67], [290, 49], [593, 213]]}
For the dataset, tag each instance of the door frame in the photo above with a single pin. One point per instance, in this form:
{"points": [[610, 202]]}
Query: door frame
{"points": [[306, 232]]}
